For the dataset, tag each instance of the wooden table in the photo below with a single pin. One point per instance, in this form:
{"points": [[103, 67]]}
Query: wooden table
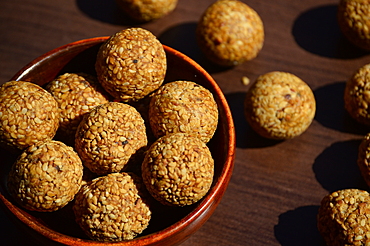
{"points": [[276, 187]]}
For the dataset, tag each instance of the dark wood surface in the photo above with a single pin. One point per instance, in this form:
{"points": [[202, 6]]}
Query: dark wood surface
{"points": [[276, 187]]}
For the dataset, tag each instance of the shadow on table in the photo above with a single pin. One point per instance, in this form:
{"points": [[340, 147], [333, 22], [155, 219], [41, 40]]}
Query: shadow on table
{"points": [[298, 227], [330, 111], [246, 137], [182, 37], [105, 11], [336, 167], [318, 32]]}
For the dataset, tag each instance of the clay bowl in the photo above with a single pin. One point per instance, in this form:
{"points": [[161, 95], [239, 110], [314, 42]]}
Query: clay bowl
{"points": [[169, 225]]}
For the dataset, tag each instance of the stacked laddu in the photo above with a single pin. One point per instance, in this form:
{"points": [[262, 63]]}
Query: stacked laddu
{"points": [[343, 217], [114, 173]]}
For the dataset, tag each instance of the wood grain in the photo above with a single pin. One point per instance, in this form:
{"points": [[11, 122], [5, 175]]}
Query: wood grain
{"points": [[276, 187]]}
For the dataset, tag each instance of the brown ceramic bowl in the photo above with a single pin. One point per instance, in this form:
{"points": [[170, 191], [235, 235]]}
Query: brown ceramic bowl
{"points": [[167, 228]]}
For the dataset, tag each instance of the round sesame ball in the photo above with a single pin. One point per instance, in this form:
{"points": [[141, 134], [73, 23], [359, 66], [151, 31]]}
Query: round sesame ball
{"points": [[279, 105], [111, 208], [344, 217], [353, 20], [76, 95], [147, 10], [178, 169], [46, 176], [363, 159], [28, 114], [230, 32], [131, 64], [183, 106], [108, 136], [357, 95]]}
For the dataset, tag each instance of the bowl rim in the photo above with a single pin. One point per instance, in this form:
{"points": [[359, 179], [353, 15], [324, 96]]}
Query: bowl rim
{"points": [[219, 187]]}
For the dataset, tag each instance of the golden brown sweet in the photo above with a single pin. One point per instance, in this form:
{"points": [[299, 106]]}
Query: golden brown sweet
{"points": [[108, 136], [183, 106], [110, 208], [363, 159], [279, 105], [357, 95], [147, 10], [344, 218], [230, 32], [28, 114], [46, 176], [76, 95], [178, 169], [353, 19], [131, 64]]}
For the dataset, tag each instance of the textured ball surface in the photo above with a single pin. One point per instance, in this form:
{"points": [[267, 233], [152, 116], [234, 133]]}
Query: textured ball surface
{"points": [[110, 208], [109, 136], [28, 114], [357, 95], [46, 176], [183, 106], [279, 105], [363, 159], [131, 64], [178, 169], [76, 95], [230, 33], [344, 217], [353, 20], [147, 10]]}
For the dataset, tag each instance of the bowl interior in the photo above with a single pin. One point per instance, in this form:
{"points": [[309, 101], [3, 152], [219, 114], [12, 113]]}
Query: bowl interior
{"points": [[166, 221]]}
